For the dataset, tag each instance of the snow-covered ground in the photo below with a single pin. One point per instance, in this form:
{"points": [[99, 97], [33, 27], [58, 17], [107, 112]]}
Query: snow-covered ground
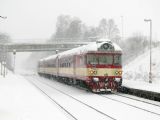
{"points": [[117, 107], [20, 100], [136, 73]]}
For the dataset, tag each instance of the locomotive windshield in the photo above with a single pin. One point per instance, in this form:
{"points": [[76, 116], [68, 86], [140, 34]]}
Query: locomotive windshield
{"points": [[104, 59], [99, 59], [117, 60]]}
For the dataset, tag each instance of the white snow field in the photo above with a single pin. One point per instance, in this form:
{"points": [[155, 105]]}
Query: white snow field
{"points": [[136, 73], [20, 100]]}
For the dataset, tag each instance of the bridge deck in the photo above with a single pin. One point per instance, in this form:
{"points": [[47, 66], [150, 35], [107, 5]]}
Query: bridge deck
{"points": [[29, 47]]}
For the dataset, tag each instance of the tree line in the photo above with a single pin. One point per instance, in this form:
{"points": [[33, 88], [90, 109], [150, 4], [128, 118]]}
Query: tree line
{"points": [[72, 28]]}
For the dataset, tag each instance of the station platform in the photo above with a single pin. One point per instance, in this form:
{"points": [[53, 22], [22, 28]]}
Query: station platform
{"points": [[142, 89]]}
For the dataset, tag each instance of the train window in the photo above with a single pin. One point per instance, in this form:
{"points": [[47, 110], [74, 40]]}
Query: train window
{"points": [[100, 59], [82, 59], [105, 59], [92, 59], [117, 60]]}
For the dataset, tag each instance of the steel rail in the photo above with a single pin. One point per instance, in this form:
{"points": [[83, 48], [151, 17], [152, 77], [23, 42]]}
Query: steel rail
{"points": [[130, 105], [79, 101], [137, 100], [54, 100]]}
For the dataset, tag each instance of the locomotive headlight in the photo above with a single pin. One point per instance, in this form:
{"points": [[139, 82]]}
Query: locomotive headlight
{"points": [[96, 79], [120, 72], [92, 71], [116, 72]]}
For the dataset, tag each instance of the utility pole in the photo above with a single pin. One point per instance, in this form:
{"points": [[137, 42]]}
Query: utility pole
{"points": [[150, 72], [1, 66], [14, 55], [4, 68], [4, 60], [4, 17]]}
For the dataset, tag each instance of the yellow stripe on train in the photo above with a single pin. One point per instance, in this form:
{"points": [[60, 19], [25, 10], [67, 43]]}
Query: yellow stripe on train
{"points": [[84, 71]]}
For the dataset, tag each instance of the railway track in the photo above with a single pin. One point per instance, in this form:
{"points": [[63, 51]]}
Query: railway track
{"points": [[143, 101], [70, 114], [130, 105], [91, 107], [99, 109]]}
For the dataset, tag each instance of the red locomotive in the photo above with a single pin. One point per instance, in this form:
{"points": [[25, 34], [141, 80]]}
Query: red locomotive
{"points": [[96, 66]]}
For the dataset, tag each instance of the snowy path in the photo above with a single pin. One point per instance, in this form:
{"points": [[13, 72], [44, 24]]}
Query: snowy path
{"points": [[117, 110], [19, 100]]}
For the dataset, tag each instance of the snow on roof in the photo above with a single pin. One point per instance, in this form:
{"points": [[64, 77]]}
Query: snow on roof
{"points": [[103, 40], [86, 48], [90, 47]]}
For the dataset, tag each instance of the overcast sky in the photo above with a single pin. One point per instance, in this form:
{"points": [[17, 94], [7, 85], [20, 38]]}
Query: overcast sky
{"points": [[27, 19]]}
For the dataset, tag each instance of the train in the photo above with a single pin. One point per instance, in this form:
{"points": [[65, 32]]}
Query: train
{"points": [[96, 66]]}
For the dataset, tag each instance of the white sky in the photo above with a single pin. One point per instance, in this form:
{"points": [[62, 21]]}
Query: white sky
{"points": [[27, 19]]}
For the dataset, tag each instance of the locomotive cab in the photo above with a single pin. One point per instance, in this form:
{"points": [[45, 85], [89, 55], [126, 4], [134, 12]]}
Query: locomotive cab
{"points": [[104, 67]]}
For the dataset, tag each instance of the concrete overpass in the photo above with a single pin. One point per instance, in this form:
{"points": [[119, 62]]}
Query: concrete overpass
{"points": [[35, 47], [32, 47]]}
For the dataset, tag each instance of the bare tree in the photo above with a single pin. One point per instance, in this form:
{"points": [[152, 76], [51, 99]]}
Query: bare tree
{"points": [[74, 30], [63, 23], [133, 46], [109, 29], [68, 27], [4, 38], [103, 28]]}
